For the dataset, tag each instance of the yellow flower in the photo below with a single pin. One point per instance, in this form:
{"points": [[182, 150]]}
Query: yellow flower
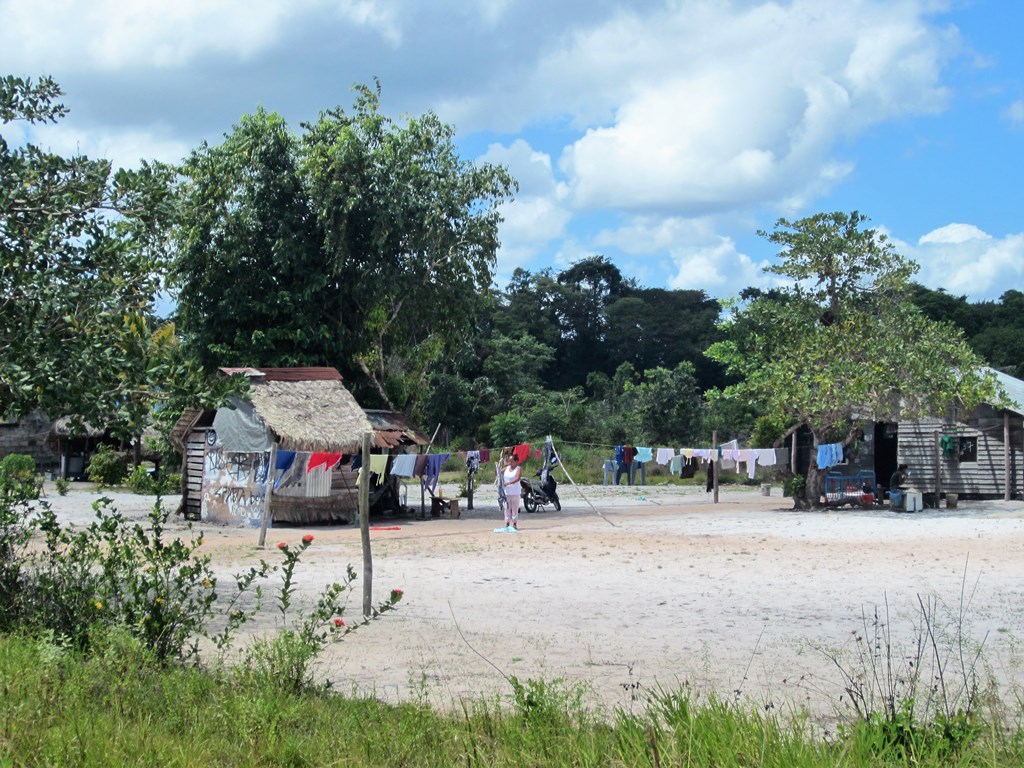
{"points": [[159, 601], [99, 606]]}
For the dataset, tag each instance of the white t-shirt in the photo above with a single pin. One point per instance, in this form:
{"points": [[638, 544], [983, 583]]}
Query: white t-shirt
{"points": [[512, 488]]}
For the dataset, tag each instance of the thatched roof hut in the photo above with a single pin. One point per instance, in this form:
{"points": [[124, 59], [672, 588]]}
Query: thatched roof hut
{"points": [[305, 410]]}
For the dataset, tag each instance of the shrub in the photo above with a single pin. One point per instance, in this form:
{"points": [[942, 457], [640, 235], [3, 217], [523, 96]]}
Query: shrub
{"points": [[108, 467], [286, 661], [62, 486], [18, 476]]}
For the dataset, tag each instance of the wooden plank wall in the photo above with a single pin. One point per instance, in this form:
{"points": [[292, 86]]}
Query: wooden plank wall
{"points": [[981, 478], [195, 462]]}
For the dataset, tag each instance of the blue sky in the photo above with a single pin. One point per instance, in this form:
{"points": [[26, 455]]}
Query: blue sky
{"points": [[661, 134]]}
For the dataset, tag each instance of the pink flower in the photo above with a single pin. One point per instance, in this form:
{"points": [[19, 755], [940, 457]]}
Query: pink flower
{"points": [[282, 545], [308, 538], [339, 623], [396, 595]]}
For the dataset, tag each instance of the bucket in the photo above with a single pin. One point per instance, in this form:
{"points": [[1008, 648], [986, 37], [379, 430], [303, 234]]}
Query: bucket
{"points": [[952, 499], [896, 499], [766, 489]]}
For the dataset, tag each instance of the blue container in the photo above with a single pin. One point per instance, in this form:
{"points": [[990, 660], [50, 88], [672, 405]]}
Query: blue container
{"points": [[896, 499]]}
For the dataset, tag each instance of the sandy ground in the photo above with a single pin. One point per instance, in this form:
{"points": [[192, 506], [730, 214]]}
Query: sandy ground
{"points": [[662, 589]]}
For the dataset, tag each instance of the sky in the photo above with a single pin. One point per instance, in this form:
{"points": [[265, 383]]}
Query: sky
{"points": [[662, 134]]}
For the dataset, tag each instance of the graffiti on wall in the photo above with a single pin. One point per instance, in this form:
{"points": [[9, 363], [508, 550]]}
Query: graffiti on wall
{"points": [[234, 486]]}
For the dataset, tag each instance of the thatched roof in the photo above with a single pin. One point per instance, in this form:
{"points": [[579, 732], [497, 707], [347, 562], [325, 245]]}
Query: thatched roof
{"points": [[66, 426], [316, 415]]}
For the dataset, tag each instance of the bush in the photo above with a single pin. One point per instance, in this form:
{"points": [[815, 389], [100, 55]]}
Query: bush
{"points": [[108, 467], [143, 482], [18, 476]]}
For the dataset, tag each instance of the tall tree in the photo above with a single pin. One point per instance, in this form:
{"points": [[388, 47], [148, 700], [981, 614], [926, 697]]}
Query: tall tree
{"points": [[253, 286], [845, 345], [410, 237], [83, 252]]}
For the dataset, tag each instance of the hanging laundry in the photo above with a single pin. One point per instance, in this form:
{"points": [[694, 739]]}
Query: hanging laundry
{"points": [[378, 467], [675, 465], [404, 465], [619, 453], [644, 454], [433, 471], [472, 462], [522, 452], [766, 457], [829, 455], [284, 460], [485, 455], [751, 464], [421, 465], [357, 462], [665, 455], [536, 453], [325, 460], [294, 472]]}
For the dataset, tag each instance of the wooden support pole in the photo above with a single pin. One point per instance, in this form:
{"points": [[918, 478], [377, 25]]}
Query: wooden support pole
{"points": [[1007, 454], [364, 526], [717, 463], [266, 495], [938, 467]]}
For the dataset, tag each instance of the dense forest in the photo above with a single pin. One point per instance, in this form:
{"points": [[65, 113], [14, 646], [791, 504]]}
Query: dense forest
{"points": [[590, 355]]}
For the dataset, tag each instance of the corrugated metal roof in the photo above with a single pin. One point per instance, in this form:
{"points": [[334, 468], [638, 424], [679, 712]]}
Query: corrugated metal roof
{"points": [[1014, 390], [288, 374]]}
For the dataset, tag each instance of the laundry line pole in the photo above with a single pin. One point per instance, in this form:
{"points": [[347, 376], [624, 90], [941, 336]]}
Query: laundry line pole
{"points": [[715, 463], [364, 526]]}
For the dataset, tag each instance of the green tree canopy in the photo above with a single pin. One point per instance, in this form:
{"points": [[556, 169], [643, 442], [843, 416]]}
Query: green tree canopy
{"points": [[363, 243], [83, 252]]}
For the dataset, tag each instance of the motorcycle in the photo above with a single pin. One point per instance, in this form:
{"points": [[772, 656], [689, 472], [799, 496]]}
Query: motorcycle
{"points": [[536, 496]]}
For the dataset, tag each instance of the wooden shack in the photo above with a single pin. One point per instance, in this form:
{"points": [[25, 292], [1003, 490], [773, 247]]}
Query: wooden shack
{"points": [[976, 455]]}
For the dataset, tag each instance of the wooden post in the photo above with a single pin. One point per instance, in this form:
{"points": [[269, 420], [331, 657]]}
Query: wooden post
{"points": [[792, 452], [938, 467], [266, 497], [716, 465], [364, 526], [469, 487], [1007, 452]]}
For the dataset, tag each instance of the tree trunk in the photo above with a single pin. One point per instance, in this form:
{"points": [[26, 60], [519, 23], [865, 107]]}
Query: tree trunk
{"points": [[812, 483]]}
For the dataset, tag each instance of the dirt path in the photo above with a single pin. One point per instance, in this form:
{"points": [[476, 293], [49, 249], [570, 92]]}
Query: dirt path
{"points": [[739, 596]]}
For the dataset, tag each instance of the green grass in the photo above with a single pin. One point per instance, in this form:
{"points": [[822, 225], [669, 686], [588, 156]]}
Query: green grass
{"points": [[115, 708]]}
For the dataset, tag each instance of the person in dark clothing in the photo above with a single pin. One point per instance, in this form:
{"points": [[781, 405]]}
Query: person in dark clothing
{"points": [[899, 477]]}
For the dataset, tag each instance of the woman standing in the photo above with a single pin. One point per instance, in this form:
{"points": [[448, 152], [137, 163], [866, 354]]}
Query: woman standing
{"points": [[513, 491]]}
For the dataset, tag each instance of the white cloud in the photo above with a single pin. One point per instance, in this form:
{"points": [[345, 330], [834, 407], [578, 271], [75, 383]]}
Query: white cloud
{"points": [[691, 251], [702, 108], [538, 214], [110, 35], [954, 234], [122, 148], [965, 260], [1015, 113]]}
